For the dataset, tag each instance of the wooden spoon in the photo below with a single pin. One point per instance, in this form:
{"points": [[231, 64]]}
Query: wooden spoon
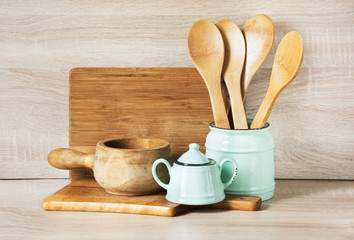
{"points": [[233, 64], [206, 49], [259, 37], [287, 62]]}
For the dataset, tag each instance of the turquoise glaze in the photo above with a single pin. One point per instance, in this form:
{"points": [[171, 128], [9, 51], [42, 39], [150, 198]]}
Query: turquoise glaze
{"points": [[252, 149], [195, 179]]}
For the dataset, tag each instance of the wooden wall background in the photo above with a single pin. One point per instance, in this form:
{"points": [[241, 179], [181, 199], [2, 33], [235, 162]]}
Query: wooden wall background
{"points": [[40, 41]]}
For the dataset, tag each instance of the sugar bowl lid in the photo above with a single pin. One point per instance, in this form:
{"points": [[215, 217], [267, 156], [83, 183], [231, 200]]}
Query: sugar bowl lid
{"points": [[193, 157]]}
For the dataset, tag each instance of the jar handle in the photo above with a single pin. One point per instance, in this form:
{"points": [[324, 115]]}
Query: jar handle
{"points": [[225, 160], [157, 162]]}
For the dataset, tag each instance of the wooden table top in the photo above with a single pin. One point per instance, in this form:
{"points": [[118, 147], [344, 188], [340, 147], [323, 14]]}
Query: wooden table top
{"points": [[300, 209]]}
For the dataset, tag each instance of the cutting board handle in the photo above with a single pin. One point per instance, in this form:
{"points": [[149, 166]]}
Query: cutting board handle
{"points": [[65, 158]]}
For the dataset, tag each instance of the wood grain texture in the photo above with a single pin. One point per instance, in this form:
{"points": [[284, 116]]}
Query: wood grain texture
{"points": [[293, 128], [40, 41], [299, 209], [166, 103], [87, 195]]}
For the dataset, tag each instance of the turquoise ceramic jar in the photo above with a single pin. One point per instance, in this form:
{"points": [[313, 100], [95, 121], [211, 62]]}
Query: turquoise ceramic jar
{"points": [[252, 150]]}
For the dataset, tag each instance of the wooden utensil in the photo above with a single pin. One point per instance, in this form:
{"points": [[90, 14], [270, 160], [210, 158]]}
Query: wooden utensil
{"points": [[234, 44], [259, 36], [287, 62], [120, 166], [206, 49], [87, 195]]}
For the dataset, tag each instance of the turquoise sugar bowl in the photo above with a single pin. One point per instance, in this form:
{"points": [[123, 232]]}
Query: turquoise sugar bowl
{"points": [[252, 149], [195, 179]]}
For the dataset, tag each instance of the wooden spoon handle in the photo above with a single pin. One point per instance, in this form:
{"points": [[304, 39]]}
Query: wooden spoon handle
{"points": [[226, 97], [264, 110], [218, 107], [238, 110], [64, 158]]}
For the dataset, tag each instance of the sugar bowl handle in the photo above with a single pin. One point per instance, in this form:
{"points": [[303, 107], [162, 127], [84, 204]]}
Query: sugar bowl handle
{"points": [[157, 162], [225, 160]]}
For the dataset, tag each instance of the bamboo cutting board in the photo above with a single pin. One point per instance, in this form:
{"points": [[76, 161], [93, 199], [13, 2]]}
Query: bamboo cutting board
{"points": [[167, 103]]}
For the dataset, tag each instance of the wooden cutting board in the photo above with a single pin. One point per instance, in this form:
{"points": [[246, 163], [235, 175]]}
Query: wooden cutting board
{"points": [[106, 103], [168, 103], [87, 195]]}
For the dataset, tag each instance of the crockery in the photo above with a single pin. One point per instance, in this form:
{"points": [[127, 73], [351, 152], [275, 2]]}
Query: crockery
{"points": [[252, 150], [120, 166], [195, 179]]}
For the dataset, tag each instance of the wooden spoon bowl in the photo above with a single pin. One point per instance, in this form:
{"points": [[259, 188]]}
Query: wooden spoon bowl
{"points": [[259, 37]]}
